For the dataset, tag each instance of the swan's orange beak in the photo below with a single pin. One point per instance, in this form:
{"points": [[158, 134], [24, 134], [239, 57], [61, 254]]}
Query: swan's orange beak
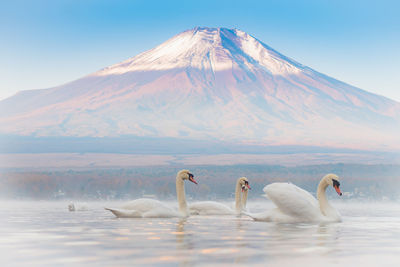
{"points": [[192, 179], [338, 190]]}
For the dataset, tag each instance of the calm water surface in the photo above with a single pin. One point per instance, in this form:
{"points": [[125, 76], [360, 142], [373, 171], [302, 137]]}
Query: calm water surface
{"points": [[47, 234]]}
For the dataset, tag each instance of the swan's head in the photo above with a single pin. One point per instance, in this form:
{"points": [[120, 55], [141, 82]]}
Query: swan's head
{"points": [[333, 180], [71, 207], [244, 183], [186, 175]]}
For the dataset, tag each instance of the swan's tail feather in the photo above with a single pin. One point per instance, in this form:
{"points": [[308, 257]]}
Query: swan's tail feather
{"points": [[125, 213]]}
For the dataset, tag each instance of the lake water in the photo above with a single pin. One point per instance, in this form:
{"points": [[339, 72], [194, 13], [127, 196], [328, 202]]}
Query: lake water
{"points": [[47, 234]]}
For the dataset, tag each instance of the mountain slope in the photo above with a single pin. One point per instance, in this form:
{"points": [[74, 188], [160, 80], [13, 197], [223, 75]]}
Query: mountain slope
{"points": [[209, 84]]}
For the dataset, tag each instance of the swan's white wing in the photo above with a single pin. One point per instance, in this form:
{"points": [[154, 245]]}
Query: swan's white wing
{"points": [[143, 205], [293, 201], [210, 208], [162, 212], [145, 208]]}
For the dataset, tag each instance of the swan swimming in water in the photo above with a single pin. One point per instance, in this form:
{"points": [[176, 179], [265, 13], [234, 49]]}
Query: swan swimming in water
{"points": [[295, 205], [72, 207], [215, 208], [151, 208]]}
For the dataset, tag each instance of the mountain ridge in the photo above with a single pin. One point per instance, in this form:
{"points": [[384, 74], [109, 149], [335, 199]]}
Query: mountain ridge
{"points": [[209, 84]]}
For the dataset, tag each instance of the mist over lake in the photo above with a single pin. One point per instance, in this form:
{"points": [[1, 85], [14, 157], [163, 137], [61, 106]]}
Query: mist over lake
{"points": [[38, 233], [39, 229]]}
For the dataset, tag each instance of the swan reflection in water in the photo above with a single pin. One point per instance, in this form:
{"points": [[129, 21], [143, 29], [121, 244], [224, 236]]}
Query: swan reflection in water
{"points": [[301, 239], [180, 235], [242, 243], [184, 243]]}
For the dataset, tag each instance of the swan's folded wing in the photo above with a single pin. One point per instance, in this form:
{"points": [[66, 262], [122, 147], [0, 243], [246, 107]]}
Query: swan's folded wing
{"points": [[292, 200], [143, 205], [161, 212], [210, 208]]}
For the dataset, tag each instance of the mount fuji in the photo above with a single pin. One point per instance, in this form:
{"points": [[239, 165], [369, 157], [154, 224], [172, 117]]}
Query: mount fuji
{"points": [[209, 84]]}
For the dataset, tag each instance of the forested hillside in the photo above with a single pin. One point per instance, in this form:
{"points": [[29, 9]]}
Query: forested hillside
{"points": [[215, 182]]}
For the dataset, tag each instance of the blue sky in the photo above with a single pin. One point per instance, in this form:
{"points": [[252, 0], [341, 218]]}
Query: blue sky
{"points": [[49, 43]]}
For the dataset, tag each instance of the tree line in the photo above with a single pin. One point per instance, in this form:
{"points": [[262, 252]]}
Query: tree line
{"points": [[215, 182]]}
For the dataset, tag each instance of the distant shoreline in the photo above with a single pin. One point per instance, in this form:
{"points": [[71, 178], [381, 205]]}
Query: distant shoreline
{"points": [[113, 160], [366, 181]]}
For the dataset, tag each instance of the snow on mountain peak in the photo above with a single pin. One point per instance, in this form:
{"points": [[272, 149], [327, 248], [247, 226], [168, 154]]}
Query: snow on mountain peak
{"points": [[217, 49]]}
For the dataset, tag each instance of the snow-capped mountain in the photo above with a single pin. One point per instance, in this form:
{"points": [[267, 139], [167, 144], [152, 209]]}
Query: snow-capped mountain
{"points": [[209, 84]]}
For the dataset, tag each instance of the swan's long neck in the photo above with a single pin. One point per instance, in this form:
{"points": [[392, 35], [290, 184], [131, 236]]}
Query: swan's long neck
{"points": [[238, 197], [321, 196], [180, 194], [244, 198]]}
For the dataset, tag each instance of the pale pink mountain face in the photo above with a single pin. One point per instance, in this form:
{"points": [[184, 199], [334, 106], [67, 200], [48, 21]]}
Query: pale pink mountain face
{"points": [[209, 84]]}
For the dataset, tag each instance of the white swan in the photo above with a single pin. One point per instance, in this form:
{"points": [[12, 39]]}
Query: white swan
{"points": [[215, 208], [81, 207], [297, 205], [150, 208]]}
